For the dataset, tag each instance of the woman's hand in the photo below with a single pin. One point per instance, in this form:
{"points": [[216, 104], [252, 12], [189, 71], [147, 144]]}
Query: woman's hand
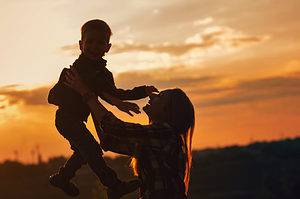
{"points": [[74, 81]]}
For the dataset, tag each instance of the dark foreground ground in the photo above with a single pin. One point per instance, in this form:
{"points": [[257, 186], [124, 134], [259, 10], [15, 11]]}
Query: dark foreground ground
{"points": [[260, 171]]}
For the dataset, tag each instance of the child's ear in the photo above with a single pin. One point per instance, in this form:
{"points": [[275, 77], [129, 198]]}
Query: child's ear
{"points": [[108, 47], [80, 45]]}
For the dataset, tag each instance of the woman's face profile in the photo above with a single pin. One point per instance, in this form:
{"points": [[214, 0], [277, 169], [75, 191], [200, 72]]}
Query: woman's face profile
{"points": [[156, 107]]}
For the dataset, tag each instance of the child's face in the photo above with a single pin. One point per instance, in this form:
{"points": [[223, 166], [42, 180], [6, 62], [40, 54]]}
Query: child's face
{"points": [[94, 44]]}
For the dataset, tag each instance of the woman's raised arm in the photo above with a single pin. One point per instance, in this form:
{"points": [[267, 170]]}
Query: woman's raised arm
{"points": [[134, 135], [74, 81]]}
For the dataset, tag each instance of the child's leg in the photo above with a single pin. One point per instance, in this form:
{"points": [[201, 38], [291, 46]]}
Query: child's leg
{"points": [[63, 123], [87, 149], [90, 152], [73, 164], [62, 179]]}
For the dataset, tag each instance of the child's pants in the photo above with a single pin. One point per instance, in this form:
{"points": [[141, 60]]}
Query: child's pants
{"points": [[86, 149]]}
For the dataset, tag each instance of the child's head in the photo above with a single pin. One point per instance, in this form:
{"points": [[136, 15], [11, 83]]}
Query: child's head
{"points": [[95, 35]]}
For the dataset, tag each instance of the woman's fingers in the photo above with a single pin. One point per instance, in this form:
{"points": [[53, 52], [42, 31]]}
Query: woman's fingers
{"points": [[70, 77], [74, 72], [67, 84]]}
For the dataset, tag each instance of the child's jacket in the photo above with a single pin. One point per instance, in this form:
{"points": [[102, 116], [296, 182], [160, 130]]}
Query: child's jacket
{"points": [[98, 78]]}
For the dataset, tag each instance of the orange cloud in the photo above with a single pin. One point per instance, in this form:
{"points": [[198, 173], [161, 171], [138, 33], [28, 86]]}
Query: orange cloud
{"points": [[211, 92], [233, 114], [37, 96], [256, 90], [213, 36], [243, 40], [208, 89]]}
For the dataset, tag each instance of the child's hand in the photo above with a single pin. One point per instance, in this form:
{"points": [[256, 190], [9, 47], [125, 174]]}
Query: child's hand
{"points": [[128, 106], [151, 89]]}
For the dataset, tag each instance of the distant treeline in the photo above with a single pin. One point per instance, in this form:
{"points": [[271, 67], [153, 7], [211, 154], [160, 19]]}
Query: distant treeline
{"points": [[260, 170]]}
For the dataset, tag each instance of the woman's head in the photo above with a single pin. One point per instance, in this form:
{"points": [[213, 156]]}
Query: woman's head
{"points": [[175, 108], [171, 106]]}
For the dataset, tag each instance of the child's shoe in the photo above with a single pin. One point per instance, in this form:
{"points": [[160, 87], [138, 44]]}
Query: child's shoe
{"points": [[122, 188], [68, 187]]}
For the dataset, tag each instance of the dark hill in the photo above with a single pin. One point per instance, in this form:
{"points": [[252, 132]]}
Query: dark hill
{"points": [[260, 170]]}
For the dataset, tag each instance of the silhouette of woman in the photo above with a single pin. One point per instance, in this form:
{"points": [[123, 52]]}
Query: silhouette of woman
{"points": [[161, 151]]}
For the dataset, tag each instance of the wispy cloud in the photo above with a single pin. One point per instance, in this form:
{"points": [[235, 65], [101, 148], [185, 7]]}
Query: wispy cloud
{"points": [[204, 21], [212, 36], [246, 40], [162, 81], [13, 95], [256, 90], [208, 90]]}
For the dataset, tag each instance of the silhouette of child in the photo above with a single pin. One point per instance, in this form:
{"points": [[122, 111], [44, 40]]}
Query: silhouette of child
{"points": [[73, 111]]}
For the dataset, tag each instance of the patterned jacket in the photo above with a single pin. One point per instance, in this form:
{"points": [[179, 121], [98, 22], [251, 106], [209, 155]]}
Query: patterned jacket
{"points": [[158, 150]]}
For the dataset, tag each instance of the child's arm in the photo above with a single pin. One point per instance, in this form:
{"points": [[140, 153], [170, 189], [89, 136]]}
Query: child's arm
{"points": [[130, 94], [135, 93], [121, 105], [129, 137]]}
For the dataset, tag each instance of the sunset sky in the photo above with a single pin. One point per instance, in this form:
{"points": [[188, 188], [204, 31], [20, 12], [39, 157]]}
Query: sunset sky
{"points": [[239, 62]]}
